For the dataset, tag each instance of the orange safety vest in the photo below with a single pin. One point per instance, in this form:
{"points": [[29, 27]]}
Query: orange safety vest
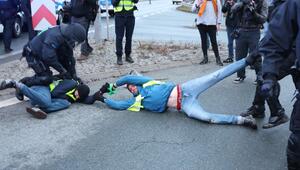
{"points": [[203, 6]]}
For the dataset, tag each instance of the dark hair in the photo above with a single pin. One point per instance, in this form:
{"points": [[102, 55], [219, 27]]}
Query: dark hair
{"points": [[83, 91]]}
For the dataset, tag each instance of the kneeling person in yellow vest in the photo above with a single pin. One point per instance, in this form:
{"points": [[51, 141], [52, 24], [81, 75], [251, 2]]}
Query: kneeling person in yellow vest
{"points": [[57, 96], [157, 96]]}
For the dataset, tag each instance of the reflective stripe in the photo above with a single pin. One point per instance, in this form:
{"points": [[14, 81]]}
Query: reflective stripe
{"points": [[152, 82], [137, 105], [54, 84], [69, 93], [126, 4]]}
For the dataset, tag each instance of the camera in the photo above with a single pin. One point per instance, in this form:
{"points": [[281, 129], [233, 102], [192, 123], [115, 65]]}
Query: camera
{"points": [[235, 34]]}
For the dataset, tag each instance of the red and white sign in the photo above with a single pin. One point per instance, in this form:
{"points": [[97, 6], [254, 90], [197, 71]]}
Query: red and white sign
{"points": [[43, 14]]}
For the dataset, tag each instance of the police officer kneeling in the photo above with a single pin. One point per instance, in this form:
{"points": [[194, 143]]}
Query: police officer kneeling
{"points": [[53, 48]]}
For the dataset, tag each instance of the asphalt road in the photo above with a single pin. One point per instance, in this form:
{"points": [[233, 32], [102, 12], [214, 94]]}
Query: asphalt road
{"points": [[95, 137]]}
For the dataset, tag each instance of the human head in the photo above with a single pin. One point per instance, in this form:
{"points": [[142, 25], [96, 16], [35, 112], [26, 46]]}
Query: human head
{"points": [[73, 33], [82, 92], [133, 89]]}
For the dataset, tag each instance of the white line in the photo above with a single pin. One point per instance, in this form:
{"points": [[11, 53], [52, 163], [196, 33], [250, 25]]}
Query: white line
{"points": [[10, 54], [10, 102]]}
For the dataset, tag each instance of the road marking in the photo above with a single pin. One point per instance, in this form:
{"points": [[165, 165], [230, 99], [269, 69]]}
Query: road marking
{"points": [[10, 54], [11, 101]]}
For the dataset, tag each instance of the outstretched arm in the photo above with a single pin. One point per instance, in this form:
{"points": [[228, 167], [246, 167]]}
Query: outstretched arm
{"points": [[131, 79]]}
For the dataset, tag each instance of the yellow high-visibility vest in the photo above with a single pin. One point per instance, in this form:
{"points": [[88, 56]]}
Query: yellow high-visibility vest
{"points": [[137, 105], [126, 4], [69, 93]]}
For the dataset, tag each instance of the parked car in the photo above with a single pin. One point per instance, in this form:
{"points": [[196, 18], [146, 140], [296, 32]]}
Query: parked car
{"points": [[18, 25], [102, 7]]}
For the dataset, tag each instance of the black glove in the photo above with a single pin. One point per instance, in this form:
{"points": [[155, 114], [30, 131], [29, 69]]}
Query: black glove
{"points": [[65, 75], [99, 96], [253, 57], [104, 88], [267, 86], [77, 79]]}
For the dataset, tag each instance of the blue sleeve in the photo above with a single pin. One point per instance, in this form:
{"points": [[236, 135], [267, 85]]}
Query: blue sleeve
{"points": [[119, 105], [135, 80]]}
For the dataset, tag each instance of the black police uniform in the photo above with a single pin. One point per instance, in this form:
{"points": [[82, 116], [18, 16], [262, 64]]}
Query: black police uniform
{"points": [[282, 38], [54, 48], [26, 8], [8, 14], [250, 19], [257, 109], [124, 24]]}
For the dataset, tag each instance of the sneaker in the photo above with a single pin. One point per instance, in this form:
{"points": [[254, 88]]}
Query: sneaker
{"points": [[249, 121], [36, 112], [255, 82], [255, 111], [7, 84], [238, 80], [228, 60], [275, 121], [8, 50], [219, 62]]}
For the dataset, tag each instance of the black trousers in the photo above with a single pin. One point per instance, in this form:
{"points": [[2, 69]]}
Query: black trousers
{"points": [[124, 25], [273, 101], [246, 43], [293, 151], [8, 24], [210, 30]]}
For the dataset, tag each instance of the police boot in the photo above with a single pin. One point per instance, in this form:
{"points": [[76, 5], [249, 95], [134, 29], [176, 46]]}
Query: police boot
{"points": [[276, 119], [36, 112], [255, 110], [219, 62], [119, 60], [7, 84], [205, 60], [129, 59], [249, 121]]}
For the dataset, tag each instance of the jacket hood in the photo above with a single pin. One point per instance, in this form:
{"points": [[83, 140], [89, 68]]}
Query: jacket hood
{"points": [[73, 32]]}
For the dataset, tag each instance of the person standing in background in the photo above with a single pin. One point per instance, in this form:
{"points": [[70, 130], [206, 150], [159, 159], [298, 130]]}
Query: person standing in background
{"points": [[83, 12], [8, 14], [208, 22], [26, 8], [124, 24], [230, 25]]}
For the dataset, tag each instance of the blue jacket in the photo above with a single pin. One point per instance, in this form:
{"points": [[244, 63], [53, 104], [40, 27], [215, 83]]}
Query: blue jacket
{"points": [[8, 8], [155, 97]]}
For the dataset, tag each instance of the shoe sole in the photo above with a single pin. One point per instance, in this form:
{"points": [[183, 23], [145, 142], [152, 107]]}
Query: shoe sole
{"points": [[36, 114], [271, 125]]}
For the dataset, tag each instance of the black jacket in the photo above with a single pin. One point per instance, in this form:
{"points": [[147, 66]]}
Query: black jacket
{"points": [[250, 17], [8, 8], [83, 8], [54, 47], [230, 20], [65, 86], [278, 44]]}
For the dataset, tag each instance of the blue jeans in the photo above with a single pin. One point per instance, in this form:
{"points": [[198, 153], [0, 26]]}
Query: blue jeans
{"points": [[246, 43], [193, 88], [230, 41], [40, 95]]}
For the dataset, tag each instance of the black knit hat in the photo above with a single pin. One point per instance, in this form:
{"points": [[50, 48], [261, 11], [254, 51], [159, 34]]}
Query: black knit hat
{"points": [[83, 91]]}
